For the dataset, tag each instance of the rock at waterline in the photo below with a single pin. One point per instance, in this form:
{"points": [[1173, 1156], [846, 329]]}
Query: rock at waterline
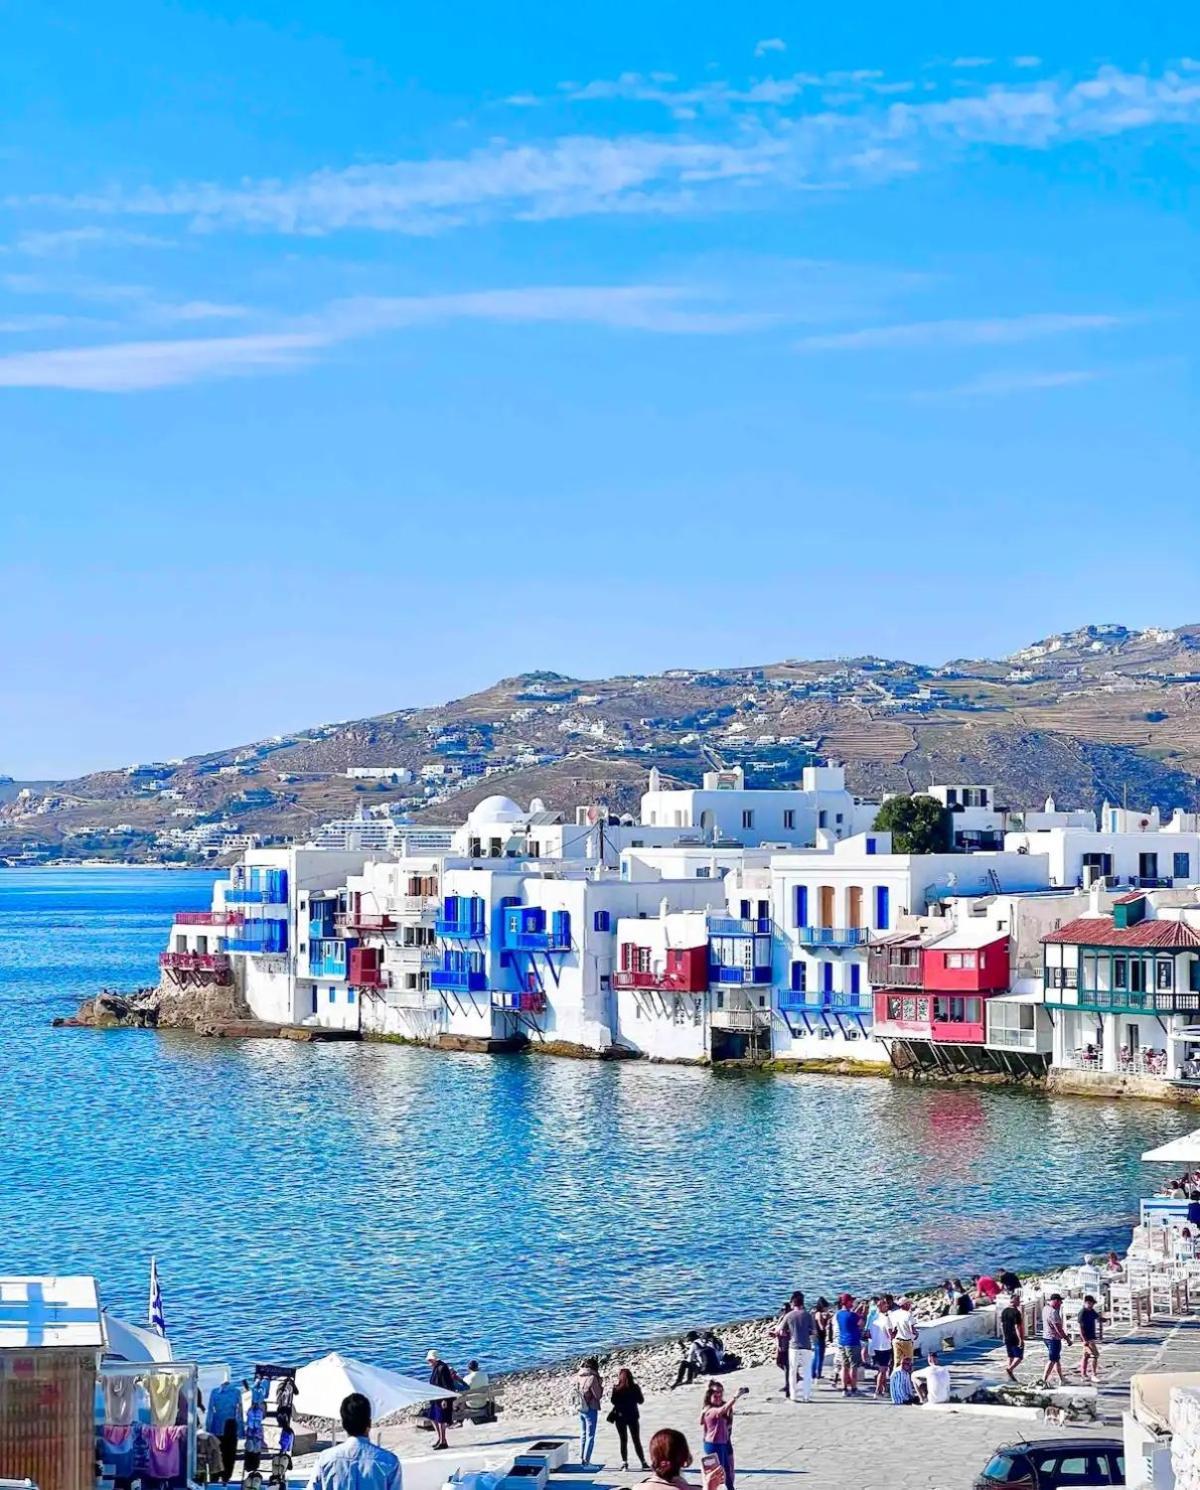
{"points": [[166, 1006]]}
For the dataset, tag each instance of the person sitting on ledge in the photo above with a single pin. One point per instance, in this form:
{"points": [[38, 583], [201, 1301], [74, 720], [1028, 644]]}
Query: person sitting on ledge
{"points": [[933, 1381], [693, 1362]]}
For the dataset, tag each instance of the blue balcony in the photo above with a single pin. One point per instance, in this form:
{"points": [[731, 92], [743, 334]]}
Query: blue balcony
{"points": [[259, 887], [724, 974], [739, 925], [258, 936], [459, 979], [463, 918], [525, 929], [328, 956], [833, 936], [816, 1001]]}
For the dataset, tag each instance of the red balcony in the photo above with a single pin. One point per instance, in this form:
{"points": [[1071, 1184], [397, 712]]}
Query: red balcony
{"points": [[904, 1014], [365, 970], [946, 968], [367, 921], [686, 969], [209, 918], [194, 962]]}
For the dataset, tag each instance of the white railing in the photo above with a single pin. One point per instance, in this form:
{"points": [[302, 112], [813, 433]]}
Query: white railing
{"points": [[414, 998], [741, 1019]]}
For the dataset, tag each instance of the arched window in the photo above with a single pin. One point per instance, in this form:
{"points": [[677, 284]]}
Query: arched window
{"points": [[854, 906], [825, 906]]}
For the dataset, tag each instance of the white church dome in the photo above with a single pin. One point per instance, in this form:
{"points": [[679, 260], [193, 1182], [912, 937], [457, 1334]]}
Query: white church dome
{"points": [[496, 810]]}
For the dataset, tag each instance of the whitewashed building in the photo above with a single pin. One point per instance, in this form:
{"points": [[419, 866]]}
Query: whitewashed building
{"points": [[724, 808]]}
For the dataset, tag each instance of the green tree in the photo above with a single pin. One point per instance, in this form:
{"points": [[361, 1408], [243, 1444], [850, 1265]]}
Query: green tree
{"points": [[918, 824]]}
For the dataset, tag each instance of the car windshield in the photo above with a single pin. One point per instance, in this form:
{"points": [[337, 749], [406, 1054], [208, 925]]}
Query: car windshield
{"points": [[1000, 1468]]}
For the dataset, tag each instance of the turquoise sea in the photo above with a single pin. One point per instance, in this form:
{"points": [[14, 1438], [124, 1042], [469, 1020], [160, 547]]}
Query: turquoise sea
{"points": [[380, 1200]]}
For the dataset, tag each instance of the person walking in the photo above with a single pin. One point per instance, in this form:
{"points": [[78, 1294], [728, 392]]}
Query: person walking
{"points": [[799, 1323], [1054, 1336], [626, 1398], [716, 1423], [848, 1326], [1012, 1329], [669, 1457], [356, 1463], [441, 1410], [1089, 1335], [589, 1393]]}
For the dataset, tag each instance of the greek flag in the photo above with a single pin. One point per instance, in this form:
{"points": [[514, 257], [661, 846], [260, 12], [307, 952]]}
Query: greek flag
{"points": [[158, 1321]]}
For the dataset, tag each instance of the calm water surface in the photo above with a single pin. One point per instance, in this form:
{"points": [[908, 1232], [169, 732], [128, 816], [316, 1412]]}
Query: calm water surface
{"points": [[380, 1200]]}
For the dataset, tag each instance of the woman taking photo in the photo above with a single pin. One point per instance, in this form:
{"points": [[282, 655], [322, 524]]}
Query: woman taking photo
{"points": [[626, 1398], [716, 1424]]}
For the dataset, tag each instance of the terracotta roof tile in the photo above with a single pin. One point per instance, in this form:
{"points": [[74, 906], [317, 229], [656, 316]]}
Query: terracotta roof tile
{"points": [[1099, 931]]}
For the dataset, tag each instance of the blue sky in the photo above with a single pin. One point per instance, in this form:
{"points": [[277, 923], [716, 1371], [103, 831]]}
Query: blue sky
{"points": [[354, 356]]}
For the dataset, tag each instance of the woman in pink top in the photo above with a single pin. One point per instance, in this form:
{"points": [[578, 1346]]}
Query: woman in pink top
{"points": [[716, 1423]]}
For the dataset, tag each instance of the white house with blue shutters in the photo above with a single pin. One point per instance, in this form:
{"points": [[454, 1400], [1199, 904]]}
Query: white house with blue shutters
{"points": [[828, 904]]}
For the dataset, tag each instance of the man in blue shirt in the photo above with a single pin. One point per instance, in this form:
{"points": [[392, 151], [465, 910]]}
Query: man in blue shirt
{"points": [[356, 1464], [849, 1342]]}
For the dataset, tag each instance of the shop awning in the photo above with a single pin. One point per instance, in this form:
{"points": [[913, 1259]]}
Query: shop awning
{"points": [[133, 1342], [1185, 1150], [322, 1386]]}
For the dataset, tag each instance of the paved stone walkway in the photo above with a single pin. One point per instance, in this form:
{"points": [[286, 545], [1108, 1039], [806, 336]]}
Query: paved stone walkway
{"points": [[834, 1443]]}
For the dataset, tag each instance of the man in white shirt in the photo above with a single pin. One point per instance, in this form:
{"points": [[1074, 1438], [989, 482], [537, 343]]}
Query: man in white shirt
{"points": [[904, 1333], [357, 1463], [933, 1381]]}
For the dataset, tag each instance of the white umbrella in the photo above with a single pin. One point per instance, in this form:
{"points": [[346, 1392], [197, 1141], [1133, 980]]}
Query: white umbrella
{"points": [[322, 1386], [1185, 1150], [133, 1342]]}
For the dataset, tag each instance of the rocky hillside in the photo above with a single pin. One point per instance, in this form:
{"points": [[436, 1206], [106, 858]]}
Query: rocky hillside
{"points": [[1094, 713]]}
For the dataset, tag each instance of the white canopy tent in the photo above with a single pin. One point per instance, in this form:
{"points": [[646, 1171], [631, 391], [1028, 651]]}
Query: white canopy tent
{"points": [[133, 1342], [323, 1385], [1185, 1150]]}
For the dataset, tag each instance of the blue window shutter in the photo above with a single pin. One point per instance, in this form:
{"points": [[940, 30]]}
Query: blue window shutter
{"points": [[870, 845], [855, 977], [349, 995], [882, 907], [827, 977], [801, 905]]}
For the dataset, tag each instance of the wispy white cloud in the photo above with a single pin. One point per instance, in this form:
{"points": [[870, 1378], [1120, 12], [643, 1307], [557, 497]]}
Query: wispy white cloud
{"points": [[136, 366], [989, 332], [1027, 60], [132, 366], [67, 242], [770, 44], [1004, 384], [794, 139], [972, 62]]}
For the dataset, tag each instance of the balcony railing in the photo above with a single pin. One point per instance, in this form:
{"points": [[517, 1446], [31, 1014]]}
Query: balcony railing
{"points": [[259, 936], [536, 941], [327, 958], [739, 925], [243, 895], [459, 931], [209, 918], [415, 957], [525, 1002], [416, 905], [957, 1032], [832, 936], [369, 921], [194, 962], [458, 980], [665, 982], [803, 1001], [414, 998], [1122, 1000], [740, 1019], [889, 974], [721, 973]]}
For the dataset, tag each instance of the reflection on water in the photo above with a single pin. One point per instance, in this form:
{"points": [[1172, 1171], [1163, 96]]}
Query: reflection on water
{"points": [[382, 1200]]}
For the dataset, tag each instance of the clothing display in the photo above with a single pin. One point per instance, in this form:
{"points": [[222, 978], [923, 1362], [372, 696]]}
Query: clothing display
{"points": [[225, 1406], [164, 1458], [118, 1400], [144, 1418], [164, 1393]]}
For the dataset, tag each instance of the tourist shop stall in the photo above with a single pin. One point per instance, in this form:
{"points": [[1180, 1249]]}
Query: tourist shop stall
{"points": [[51, 1340], [145, 1425]]}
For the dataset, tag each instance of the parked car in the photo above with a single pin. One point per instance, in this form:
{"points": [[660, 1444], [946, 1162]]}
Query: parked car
{"points": [[1055, 1464]]}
